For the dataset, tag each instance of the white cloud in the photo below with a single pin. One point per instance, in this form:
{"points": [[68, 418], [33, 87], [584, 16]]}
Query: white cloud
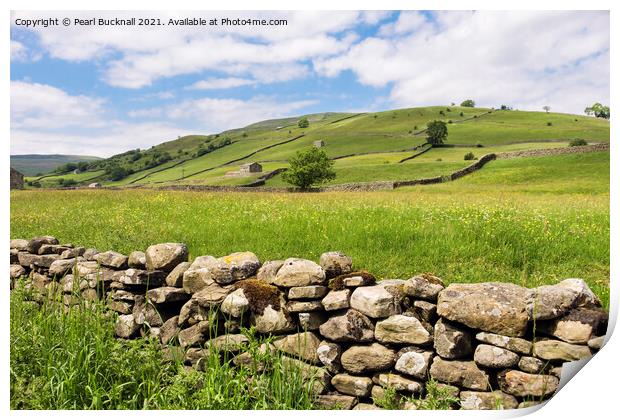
{"points": [[18, 51], [45, 119], [222, 83], [134, 57], [519, 58], [35, 105]]}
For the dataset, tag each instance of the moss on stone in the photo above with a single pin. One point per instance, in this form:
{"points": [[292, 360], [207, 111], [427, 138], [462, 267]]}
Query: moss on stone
{"points": [[259, 295], [337, 283]]}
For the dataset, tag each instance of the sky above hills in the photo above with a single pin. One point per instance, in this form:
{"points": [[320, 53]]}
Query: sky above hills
{"points": [[101, 90]]}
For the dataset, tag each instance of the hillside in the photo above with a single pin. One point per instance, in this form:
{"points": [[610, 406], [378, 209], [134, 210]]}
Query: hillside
{"points": [[365, 147], [31, 165]]}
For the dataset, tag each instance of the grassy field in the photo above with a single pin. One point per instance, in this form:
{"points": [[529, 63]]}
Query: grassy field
{"points": [[376, 140], [530, 221]]}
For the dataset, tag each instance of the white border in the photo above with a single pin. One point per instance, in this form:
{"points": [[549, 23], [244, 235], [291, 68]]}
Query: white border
{"points": [[591, 394]]}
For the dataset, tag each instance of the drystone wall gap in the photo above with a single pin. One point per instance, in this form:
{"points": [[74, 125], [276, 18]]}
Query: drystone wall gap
{"points": [[486, 345]]}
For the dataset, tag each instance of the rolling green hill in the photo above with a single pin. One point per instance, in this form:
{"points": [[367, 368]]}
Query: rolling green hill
{"points": [[365, 146], [31, 165]]}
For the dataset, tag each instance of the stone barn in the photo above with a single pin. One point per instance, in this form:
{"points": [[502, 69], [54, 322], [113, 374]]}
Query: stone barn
{"points": [[17, 180], [252, 167], [319, 143]]}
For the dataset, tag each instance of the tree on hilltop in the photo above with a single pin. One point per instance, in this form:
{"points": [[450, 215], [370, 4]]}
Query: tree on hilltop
{"points": [[546, 108], [598, 110], [436, 132], [309, 167], [470, 103], [303, 123]]}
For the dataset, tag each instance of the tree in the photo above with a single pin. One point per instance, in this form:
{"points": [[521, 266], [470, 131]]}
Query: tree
{"points": [[598, 110], [546, 108], [436, 132], [468, 103], [303, 123], [309, 167]]}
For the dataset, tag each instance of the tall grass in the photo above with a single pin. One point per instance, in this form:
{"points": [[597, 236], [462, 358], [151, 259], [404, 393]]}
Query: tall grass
{"points": [[69, 359]]}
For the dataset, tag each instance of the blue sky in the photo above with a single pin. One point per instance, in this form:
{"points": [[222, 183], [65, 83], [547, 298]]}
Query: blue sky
{"points": [[100, 91]]}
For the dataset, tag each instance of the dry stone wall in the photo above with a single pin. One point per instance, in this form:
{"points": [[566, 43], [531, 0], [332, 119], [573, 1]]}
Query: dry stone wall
{"points": [[489, 345]]}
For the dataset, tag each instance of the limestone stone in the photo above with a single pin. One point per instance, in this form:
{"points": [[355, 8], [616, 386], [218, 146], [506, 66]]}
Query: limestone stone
{"points": [[268, 271], [231, 343], [61, 267], [397, 382], [165, 256], [234, 267], [300, 306], [531, 364], [495, 357], [424, 286], [376, 301], [191, 313], [272, 321], [465, 374], [203, 261], [235, 304], [335, 263], [401, 329], [414, 362], [52, 249], [368, 358], [297, 272], [329, 355], [195, 335], [121, 307], [494, 400], [351, 326], [357, 386], [126, 327], [35, 243], [319, 376], [336, 299], [552, 301], [303, 345], [426, 311], [175, 277], [196, 280], [32, 260], [167, 294], [366, 406], [137, 277], [72, 253], [112, 259], [559, 350], [90, 254], [336, 402], [19, 244], [311, 321], [577, 326], [255, 359], [450, 341], [596, 342], [358, 279], [212, 296], [307, 292], [521, 384], [492, 307], [518, 345], [137, 259], [17, 271]]}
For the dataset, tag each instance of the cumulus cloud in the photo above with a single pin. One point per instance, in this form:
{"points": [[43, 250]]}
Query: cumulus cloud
{"points": [[45, 118], [35, 105], [222, 83], [520, 58]]}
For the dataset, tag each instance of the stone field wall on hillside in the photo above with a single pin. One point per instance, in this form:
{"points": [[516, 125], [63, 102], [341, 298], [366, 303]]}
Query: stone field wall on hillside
{"points": [[487, 345]]}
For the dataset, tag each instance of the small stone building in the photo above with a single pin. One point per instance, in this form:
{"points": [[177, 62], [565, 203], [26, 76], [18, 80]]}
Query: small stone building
{"points": [[251, 167], [319, 143], [17, 180]]}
